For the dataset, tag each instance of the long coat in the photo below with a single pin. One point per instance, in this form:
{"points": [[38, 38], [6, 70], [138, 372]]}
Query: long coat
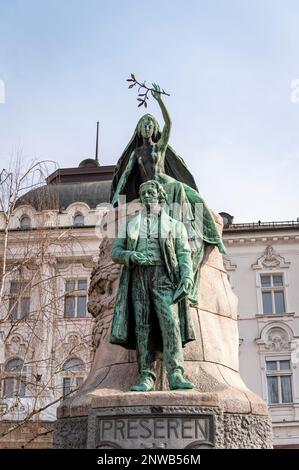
{"points": [[176, 255]]}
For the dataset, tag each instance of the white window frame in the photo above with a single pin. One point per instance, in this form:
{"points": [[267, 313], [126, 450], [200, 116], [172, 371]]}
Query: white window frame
{"points": [[279, 373], [73, 375], [76, 293], [260, 289], [15, 299], [17, 377]]}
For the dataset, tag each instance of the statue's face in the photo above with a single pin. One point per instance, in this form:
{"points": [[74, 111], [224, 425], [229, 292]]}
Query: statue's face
{"points": [[149, 195], [147, 128]]}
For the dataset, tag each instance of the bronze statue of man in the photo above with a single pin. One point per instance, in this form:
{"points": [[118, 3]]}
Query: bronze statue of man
{"points": [[157, 275]]}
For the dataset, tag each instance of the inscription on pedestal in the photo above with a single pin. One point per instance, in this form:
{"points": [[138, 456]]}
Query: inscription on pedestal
{"points": [[155, 431]]}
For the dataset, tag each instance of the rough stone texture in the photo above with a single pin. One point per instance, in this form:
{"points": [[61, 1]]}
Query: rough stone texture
{"points": [[247, 432], [223, 430], [70, 433], [211, 363]]}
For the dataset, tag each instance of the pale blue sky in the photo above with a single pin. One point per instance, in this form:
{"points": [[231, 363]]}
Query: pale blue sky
{"points": [[228, 65]]}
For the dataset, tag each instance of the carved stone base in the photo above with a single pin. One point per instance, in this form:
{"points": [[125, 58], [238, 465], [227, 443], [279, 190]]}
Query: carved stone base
{"points": [[145, 421]]}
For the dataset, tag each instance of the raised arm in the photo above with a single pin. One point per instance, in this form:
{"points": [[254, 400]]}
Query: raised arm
{"points": [[163, 142]]}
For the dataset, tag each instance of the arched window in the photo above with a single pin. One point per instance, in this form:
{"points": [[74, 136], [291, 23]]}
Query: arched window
{"points": [[25, 222], [275, 345], [74, 365], [14, 379], [78, 220], [74, 371]]}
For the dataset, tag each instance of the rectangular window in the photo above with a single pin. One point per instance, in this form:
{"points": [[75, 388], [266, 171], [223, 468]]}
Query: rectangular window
{"points": [[284, 365], [69, 307], [66, 386], [8, 391], [273, 295], [70, 384], [279, 382], [81, 306], [272, 389], [271, 365], [266, 281], [279, 302], [286, 388], [277, 281], [19, 301], [24, 307], [14, 387], [75, 298], [13, 308], [22, 387], [267, 302]]}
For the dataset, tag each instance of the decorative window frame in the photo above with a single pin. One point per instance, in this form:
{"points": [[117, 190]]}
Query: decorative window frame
{"points": [[75, 294], [23, 275], [259, 288], [72, 346], [16, 298], [68, 271], [17, 377], [271, 263], [72, 375], [19, 213], [77, 208], [284, 351], [280, 357]]}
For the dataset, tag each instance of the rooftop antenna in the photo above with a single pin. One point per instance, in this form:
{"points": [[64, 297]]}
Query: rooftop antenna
{"points": [[97, 145]]}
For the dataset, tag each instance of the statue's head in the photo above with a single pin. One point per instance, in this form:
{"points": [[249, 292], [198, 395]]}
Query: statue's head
{"points": [[151, 192], [148, 127]]}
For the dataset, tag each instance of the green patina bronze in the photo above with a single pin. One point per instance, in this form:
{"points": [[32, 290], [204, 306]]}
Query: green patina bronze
{"points": [[149, 158], [155, 252]]}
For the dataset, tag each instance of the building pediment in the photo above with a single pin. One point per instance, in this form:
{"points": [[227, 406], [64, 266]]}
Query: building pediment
{"points": [[270, 260]]}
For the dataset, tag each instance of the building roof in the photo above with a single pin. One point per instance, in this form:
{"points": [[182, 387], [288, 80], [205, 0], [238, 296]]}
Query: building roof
{"points": [[87, 183], [61, 195]]}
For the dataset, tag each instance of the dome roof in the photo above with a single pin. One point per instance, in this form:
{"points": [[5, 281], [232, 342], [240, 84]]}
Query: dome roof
{"points": [[61, 195], [89, 162]]}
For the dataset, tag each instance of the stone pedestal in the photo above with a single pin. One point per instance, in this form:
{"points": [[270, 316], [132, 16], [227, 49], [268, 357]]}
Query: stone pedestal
{"points": [[162, 420], [221, 413]]}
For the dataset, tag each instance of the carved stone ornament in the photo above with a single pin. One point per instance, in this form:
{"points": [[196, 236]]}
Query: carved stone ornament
{"points": [[270, 260], [73, 345], [102, 292], [229, 266], [16, 346], [277, 340]]}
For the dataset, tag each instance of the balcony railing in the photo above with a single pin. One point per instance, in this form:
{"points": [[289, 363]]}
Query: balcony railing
{"points": [[263, 225]]}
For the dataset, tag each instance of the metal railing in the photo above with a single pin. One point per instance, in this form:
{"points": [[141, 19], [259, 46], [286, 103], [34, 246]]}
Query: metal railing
{"points": [[259, 224]]}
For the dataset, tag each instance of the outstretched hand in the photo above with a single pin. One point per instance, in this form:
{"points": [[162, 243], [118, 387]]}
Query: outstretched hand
{"points": [[138, 258], [156, 93]]}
